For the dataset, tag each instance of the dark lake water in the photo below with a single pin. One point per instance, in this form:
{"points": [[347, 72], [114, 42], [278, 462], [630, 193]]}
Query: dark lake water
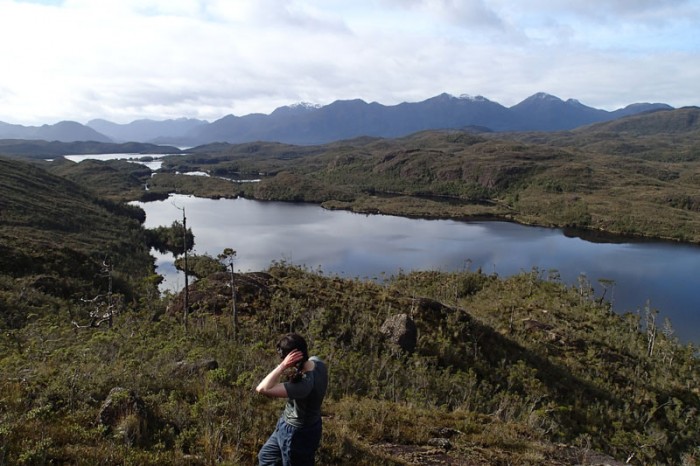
{"points": [[664, 274]]}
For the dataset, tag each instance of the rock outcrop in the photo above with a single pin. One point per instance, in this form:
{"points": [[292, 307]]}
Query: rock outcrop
{"points": [[401, 331]]}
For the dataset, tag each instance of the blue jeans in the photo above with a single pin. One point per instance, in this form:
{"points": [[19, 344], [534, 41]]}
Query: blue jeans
{"points": [[291, 446]]}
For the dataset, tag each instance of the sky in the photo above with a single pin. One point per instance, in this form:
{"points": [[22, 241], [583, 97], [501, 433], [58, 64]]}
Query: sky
{"points": [[123, 60]]}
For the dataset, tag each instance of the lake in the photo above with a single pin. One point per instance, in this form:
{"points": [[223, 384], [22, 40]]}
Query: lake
{"points": [[667, 275]]}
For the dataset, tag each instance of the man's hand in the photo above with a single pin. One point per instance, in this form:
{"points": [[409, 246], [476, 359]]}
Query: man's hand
{"points": [[271, 385], [292, 359]]}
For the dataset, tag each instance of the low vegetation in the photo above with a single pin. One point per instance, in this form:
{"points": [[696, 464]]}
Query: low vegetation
{"points": [[56, 236], [97, 367], [516, 371]]}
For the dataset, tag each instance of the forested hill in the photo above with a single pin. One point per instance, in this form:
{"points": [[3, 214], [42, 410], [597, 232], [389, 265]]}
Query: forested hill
{"points": [[55, 235], [684, 120], [46, 149], [660, 136]]}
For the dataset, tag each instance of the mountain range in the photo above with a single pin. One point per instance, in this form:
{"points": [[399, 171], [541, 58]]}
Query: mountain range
{"points": [[64, 131], [342, 119]]}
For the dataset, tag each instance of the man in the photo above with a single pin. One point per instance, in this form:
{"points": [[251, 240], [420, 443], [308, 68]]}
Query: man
{"points": [[298, 432]]}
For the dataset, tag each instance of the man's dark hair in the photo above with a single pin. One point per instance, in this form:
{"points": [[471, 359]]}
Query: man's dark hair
{"points": [[289, 343]]}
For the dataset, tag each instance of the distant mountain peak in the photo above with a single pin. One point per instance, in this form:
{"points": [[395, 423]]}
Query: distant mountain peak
{"points": [[642, 106], [67, 123], [299, 108], [442, 97], [446, 97], [544, 96], [473, 98], [305, 106], [575, 103]]}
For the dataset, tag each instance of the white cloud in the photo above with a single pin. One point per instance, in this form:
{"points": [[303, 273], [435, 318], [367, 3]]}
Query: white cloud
{"points": [[465, 13], [128, 59]]}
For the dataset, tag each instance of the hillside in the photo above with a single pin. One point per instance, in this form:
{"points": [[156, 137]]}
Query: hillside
{"points": [[55, 237], [517, 371], [112, 179], [662, 136], [681, 121], [521, 370]]}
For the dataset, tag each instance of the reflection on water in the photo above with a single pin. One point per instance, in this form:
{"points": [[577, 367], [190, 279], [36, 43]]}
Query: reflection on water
{"points": [[356, 245]]}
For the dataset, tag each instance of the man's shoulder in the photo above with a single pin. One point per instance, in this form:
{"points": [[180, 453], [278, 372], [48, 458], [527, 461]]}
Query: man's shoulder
{"points": [[319, 364]]}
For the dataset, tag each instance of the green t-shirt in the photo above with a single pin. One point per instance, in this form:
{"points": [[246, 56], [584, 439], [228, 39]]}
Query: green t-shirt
{"points": [[303, 406]]}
